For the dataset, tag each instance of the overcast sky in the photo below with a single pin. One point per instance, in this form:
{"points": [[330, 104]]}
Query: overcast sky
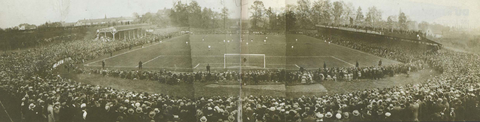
{"points": [[14, 12]]}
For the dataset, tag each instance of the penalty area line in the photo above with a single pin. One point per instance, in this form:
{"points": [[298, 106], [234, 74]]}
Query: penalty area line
{"points": [[6, 112], [162, 56], [196, 66], [342, 61]]}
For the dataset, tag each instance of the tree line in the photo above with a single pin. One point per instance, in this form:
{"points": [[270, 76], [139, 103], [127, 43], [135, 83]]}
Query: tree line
{"points": [[306, 14], [188, 15]]}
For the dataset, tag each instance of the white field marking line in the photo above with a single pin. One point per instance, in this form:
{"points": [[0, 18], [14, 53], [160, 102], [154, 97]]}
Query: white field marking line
{"points": [[207, 56], [302, 56], [246, 67], [166, 68], [342, 61], [253, 63], [196, 66], [297, 66], [137, 67], [129, 51], [221, 56], [162, 56], [112, 66], [279, 64], [6, 112]]}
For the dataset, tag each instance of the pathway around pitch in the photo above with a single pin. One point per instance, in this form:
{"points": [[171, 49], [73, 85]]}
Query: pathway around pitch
{"points": [[230, 67], [316, 88], [279, 87]]}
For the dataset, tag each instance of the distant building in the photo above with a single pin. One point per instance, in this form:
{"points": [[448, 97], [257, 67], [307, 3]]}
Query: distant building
{"points": [[412, 25], [431, 33], [115, 20], [163, 13], [69, 24], [26, 26]]}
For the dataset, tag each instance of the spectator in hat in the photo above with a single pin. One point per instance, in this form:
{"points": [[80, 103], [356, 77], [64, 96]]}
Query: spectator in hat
{"points": [[356, 116]]}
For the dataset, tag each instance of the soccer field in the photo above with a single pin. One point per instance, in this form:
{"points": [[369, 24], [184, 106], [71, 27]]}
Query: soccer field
{"points": [[270, 51], [176, 55], [311, 53], [170, 54], [257, 51]]}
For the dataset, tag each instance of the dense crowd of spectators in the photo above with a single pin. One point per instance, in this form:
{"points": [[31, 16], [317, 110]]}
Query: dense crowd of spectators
{"points": [[47, 97], [354, 73], [257, 76], [55, 99], [401, 51], [401, 33], [168, 77], [16, 39], [443, 98]]}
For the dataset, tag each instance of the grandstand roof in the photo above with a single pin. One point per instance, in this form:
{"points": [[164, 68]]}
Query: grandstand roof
{"points": [[422, 40]]}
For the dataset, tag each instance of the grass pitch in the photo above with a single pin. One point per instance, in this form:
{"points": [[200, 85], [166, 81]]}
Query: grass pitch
{"points": [[311, 53], [210, 49], [178, 55], [195, 52], [171, 54]]}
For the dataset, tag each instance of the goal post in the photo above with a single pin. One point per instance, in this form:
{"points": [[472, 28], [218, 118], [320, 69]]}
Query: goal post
{"points": [[250, 60]]}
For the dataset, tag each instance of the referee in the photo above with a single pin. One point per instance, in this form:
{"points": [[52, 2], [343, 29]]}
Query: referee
{"points": [[103, 64], [208, 68]]}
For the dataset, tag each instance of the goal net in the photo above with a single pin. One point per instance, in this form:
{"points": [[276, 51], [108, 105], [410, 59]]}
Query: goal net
{"points": [[244, 60]]}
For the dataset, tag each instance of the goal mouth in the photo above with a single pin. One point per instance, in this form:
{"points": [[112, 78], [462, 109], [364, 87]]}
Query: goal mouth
{"points": [[256, 61]]}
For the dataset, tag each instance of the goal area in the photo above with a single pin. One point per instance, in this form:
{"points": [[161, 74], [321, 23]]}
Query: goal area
{"points": [[244, 60]]}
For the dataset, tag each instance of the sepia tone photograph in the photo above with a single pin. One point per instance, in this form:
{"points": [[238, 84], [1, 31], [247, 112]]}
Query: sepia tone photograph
{"points": [[239, 60]]}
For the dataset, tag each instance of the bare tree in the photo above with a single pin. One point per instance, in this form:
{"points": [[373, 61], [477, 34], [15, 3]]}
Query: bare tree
{"points": [[303, 13], [392, 22], [359, 16], [349, 12], [374, 16], [224, 16], [402, 21], [321, 12], [337, 11], [194, 14], [271, 18], [423, 26], [257, 13]]}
